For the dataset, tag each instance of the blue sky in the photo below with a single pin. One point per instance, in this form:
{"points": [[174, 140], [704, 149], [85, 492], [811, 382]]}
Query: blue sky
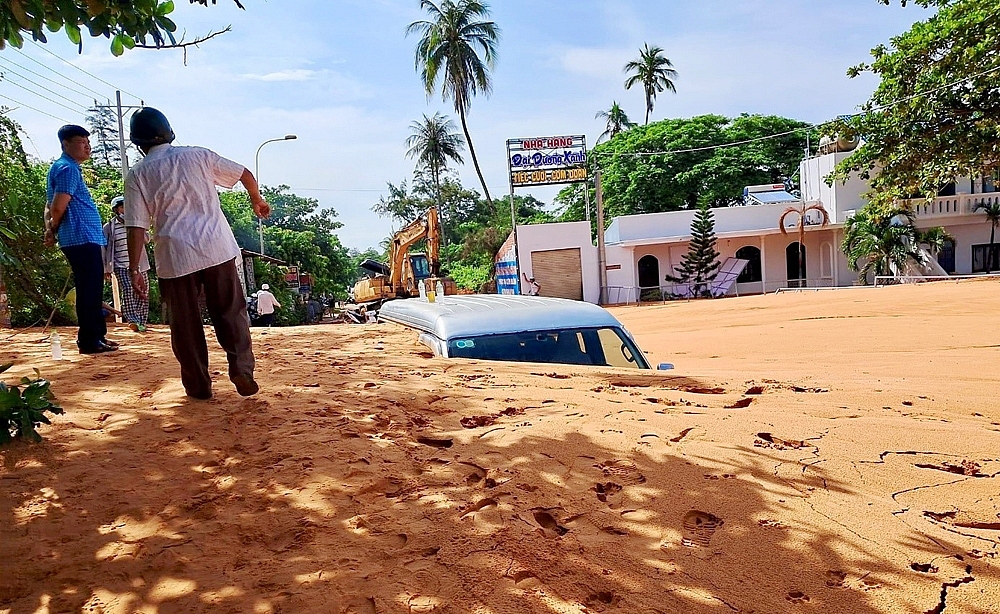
{"points": [[340, 75]]}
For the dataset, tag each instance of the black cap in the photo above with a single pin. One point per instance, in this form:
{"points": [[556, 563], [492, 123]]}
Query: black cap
{"points": [[71, 130], [149, 127]]}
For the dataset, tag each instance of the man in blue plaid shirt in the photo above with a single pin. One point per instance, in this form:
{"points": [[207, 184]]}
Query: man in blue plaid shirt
{"points": [[72, 218]]}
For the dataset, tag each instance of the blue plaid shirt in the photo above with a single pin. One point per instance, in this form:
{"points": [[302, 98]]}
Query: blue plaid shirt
{"points": [[82, 223]]}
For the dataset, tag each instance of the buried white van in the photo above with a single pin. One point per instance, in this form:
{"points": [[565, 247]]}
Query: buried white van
{"points": [[518, 328]]}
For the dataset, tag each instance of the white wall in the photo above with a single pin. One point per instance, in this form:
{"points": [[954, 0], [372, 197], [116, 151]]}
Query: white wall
{"points": [[565, 235], [838, 199]]}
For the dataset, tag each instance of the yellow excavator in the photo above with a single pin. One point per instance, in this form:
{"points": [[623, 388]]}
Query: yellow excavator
{"points": [[402, 277]]}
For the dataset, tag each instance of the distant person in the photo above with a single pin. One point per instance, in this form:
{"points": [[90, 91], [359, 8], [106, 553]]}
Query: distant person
{"points": [[71, 217], [532, 288], [266, 302], [174, 190], [135, 309]]}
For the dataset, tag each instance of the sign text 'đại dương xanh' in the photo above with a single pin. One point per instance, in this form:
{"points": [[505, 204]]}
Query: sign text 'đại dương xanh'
{"points": [[547, 160]]}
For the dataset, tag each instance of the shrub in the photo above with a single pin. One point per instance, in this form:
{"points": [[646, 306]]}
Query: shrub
{"points": [[21, 411]]}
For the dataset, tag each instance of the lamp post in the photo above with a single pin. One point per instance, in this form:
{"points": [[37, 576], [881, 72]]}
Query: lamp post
{"points": [[256, 174]]}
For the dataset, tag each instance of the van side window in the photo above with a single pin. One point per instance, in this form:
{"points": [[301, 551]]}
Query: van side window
{"points": [[616, 351]]}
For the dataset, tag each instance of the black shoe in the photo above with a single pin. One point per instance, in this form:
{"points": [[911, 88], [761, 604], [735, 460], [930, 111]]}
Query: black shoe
{"points": [[100, 348], [111, 344], [200, 396], [245, 385]]}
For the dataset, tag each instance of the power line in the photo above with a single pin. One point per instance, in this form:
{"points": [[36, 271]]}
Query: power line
{"points": [[67, 62], [27, 106], [56, 102], [54, 71], [36, 84], [39, 75]]}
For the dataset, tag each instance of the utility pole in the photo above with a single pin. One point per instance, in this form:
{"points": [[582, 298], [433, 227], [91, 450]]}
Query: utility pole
{"points": [[121, 136], [602, 258]]}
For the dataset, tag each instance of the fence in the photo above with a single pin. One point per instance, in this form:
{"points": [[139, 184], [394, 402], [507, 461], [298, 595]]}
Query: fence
{"points": [[634, 295], [890, 280]]}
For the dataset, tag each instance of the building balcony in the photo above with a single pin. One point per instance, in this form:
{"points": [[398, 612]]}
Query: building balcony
{"points": [[950, 206]]}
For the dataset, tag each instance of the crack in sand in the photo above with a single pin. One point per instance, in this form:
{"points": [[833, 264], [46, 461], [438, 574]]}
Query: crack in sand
{"points": [[942, 604]]}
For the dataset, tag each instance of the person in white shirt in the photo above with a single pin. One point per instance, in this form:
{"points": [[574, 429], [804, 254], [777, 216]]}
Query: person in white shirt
{"points": [[266, 302], [173, 189], [135, 309]]}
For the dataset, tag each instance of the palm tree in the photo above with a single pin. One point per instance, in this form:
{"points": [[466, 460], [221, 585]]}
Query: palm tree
{"points": [[448, 52], [934, 239], [617, 121], [992, 211], [433, 142], [885, 240], [654, 71], [803, 211]]}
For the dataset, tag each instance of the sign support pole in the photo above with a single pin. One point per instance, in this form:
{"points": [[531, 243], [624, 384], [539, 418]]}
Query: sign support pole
{"points": [[513, 225], [602, 258]]}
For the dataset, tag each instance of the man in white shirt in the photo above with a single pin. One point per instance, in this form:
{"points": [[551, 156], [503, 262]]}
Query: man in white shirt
{"points": [[135, 309], [266, 302], [174, 190]]}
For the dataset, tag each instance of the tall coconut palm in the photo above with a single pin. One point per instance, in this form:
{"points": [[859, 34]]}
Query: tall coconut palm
{"points": [[433, 142], [458, 49], [992, 211], [617, 121], [654, 72], [803, 212], [880, 241]]}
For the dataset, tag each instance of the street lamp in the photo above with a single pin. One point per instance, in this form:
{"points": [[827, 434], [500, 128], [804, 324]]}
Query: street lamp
{"points": [[256, 174]]}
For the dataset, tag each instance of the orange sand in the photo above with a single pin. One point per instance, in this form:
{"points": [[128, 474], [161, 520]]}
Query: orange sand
{"points": [[862, 478]]}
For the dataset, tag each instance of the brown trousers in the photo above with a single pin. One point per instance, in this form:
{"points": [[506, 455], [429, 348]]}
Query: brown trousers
{"points": [[227, 307]]}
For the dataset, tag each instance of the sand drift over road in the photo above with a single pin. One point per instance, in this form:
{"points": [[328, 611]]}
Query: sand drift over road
{"points": [[827, 452]]}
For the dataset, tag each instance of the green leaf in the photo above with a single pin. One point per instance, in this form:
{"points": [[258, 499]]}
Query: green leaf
{"points": [[73, 32], [165, 8], [117, 46]]}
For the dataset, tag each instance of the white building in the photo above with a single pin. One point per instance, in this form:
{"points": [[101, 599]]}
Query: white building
{"points": [[642, 249]]}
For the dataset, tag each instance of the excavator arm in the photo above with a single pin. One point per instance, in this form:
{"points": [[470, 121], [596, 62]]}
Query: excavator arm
{"points": [[424, 227]]}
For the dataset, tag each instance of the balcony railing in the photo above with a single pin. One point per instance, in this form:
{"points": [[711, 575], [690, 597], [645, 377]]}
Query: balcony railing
{"points": [[948, 206]]}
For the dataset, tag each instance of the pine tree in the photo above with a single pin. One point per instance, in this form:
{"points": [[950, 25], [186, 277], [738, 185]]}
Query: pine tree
{"points": [[701, 264], [104, 136]]}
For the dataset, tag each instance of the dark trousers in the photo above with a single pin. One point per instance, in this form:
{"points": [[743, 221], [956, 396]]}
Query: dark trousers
{"points": [[88, 276], [227, 307], [266, 320]]}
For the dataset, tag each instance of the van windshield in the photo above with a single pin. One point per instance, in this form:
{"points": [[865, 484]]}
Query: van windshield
{"points": [[603, 347]]}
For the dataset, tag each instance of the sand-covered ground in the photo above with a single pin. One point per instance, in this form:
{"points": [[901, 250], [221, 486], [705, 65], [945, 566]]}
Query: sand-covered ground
{"points": [[825, 452]]}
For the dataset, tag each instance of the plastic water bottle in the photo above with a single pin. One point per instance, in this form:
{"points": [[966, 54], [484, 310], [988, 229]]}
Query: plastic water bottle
{"points": [[440, 288], [56, 346], [423, 290]]}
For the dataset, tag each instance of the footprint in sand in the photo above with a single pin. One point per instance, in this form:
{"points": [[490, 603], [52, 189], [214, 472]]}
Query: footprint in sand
{"points": [[547, 521], [480, 506], [359, 605], [525, 579], [797, 597], [835, 578], [605, 490], [623, 470], [699, 527]]}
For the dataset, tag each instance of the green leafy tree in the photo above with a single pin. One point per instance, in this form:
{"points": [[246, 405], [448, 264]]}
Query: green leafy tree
{"points": [[616, 121], [103, 125], [700, 265], [654, 72], [992, 211], [638, 177], [433, 142], [126, 24], [448, 52], [880, 241], [936, 112]]}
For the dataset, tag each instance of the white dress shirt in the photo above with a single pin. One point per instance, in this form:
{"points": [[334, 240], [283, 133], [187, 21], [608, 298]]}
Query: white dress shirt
{"points": [[174, 190]]}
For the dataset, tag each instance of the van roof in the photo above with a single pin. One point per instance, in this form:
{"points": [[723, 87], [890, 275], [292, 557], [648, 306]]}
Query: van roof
{"points": [[491, 314]]}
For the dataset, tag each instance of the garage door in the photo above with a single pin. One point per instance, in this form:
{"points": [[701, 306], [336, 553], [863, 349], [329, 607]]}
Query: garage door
{"points": [[559, 273]]}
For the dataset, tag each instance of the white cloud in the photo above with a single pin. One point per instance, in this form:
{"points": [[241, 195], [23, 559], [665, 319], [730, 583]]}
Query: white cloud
{"points": [[291, 74]]}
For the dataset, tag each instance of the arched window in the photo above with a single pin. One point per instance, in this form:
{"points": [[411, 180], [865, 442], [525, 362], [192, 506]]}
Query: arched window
{"points": [[752, 272], [649, 272], [793, 266]]}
